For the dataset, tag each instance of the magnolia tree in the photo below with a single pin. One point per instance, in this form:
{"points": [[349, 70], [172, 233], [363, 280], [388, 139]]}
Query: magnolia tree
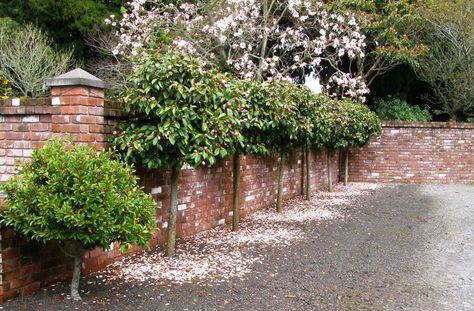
{"points": [[255, 39], [181, 114]]}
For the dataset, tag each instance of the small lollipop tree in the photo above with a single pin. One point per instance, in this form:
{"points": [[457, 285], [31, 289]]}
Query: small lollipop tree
{"points": [[342, 124], [308, 107], [362, 125], [181, 113], [328, 121], [254, 114], [287, 127], [81, 199]]}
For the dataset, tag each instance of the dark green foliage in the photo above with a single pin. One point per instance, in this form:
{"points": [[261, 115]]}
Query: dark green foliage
{"points": [[274, 116], [399, 110], [181, 114], [342, 124], [71, 193]]}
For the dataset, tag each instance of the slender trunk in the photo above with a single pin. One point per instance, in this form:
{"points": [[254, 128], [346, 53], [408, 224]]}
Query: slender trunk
{"points": [[170, 246], [76, 275], [346, 167], [236, 194], [303, 173], [329, 170], [308, 174], [281, 166]]}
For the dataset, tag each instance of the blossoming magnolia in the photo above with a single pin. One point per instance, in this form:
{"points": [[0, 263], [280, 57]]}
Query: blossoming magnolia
{"points": [[256, 39]]}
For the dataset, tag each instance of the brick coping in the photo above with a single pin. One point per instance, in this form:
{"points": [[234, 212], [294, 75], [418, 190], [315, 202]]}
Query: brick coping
{"points": [[44, 106], [446, 125]]}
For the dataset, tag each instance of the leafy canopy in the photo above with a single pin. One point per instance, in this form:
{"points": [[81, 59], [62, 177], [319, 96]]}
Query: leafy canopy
{"points": [[72, 193], [342, 124], [272, 116], [181, 113]]}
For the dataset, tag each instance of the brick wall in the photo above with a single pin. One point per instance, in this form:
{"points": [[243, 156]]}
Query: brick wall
{"points": [[407, 152], [205, 195]]}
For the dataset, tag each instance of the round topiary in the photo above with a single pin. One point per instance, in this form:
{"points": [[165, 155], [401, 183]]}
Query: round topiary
{"points": [[79, 197]]}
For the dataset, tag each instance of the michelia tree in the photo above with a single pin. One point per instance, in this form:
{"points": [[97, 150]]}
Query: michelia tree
{"points": [[342, 124], [288, 126], [361, 126], [255, 39], [181, 114], [80, 199]]}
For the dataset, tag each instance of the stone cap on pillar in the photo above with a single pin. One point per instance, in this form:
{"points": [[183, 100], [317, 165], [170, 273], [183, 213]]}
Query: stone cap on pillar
{"points": [[76, 77]]}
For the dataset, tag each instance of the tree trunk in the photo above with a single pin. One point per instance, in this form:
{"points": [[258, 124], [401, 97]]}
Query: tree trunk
{"points": [[329, 170], [75, 250], [303, 171], [308, 174], [236, 194], [170, 246], [76, 275], [346, 167], [281, 166]]}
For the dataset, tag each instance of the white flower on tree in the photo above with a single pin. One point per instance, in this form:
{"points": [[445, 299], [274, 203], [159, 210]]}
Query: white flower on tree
{"points": [[255, 39]]}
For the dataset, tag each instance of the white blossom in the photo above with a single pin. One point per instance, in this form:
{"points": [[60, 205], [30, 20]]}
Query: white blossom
{"points": [[309, 41]]}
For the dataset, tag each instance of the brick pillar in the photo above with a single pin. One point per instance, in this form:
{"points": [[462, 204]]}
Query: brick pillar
{"points": [[80, 97]]}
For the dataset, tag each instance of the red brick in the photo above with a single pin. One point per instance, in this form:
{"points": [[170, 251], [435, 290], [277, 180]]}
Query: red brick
{"points": [[61, 119], [74, 91], [73, 110], [65, 128]]}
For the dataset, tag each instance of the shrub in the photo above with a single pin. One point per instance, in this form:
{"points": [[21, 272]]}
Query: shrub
{"points": [[399, 110], [5, 88], [80, 198], [27, 59]]}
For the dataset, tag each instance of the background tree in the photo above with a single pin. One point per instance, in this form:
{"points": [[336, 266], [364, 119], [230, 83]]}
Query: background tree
{"points": [[5, 88], [27, 59], [448, 68], [67, 22], [80, 198], [181, 113], [399, 110]]}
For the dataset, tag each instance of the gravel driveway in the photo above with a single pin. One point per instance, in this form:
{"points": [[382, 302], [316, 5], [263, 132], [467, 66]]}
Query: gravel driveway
{"points": [[401, 247]]}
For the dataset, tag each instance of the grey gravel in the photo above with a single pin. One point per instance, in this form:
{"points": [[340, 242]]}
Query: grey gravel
{"points": [[406, 247]]}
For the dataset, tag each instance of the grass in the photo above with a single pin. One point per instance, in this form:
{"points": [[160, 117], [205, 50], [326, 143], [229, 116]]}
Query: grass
{"points": [[471, 183]]}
